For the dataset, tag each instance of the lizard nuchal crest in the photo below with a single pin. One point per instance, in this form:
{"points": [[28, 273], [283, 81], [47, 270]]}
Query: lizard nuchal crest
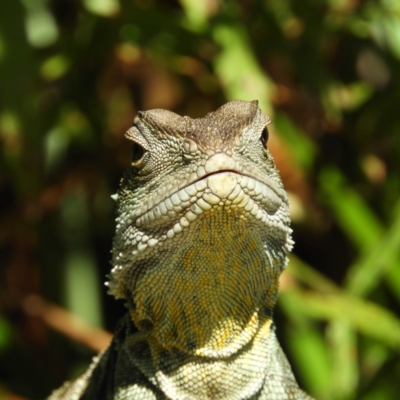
{"points": [[203, 232]]}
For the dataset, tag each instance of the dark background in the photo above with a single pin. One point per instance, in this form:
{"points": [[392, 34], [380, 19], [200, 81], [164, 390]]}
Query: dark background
{"points": [[74, 74]]}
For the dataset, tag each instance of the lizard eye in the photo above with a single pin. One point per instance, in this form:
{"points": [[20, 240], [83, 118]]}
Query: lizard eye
{"points": [[137, 152], [264, 137]]}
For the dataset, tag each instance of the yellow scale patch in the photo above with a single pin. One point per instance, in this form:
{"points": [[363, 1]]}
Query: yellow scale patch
{"points": [[206, 299]]}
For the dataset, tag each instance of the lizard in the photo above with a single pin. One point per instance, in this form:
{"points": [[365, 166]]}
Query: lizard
{"points": [[202, 236]]}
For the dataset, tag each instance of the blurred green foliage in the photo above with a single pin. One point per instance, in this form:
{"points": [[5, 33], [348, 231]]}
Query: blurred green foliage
{"points": [[74, 73]]}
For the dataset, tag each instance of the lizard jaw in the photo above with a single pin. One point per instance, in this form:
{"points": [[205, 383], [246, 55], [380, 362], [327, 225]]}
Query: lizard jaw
{"points": [[227, 188]]}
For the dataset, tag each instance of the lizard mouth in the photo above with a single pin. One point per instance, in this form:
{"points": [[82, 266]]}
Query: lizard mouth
{"points": [[233, 171], [226, 189]]}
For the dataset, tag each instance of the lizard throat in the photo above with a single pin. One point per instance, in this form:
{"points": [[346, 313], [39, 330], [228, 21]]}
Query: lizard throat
{"points": [[212, 295], [207, 284]]}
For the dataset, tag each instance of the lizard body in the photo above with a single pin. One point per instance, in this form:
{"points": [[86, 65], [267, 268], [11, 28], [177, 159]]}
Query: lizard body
{"points": [[203, 232]]}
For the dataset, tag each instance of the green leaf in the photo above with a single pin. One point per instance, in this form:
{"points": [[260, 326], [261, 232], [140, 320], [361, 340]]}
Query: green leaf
{"points": [[301, 145], [343, 350], [381, 258], [368, 318], [246, 81], [352, 213], [41, 28], [54, 67], [306, 343], [309, 276], [105, 8], [6, 334]]}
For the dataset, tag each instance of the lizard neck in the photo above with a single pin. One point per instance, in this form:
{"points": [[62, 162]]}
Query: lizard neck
{"points": [[208, 291], [209, 378]]}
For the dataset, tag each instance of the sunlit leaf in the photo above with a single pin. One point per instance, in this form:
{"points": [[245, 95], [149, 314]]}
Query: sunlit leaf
{"points": [[246, 81], [345, 369], [82, 289], [196, 13], [54, 67], [106, 8], [377, 260], [367, 317], [305, 342], [41, 28]]}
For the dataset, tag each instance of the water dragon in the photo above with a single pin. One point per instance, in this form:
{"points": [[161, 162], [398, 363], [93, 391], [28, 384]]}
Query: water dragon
{"points": [[202, 236]]}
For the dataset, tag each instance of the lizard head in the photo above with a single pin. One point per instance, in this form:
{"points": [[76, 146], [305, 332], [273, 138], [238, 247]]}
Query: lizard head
{"points": [[201, 209]]}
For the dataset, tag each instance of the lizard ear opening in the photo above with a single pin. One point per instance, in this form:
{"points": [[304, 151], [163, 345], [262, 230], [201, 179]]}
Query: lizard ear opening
{"points": [[264, 137]]}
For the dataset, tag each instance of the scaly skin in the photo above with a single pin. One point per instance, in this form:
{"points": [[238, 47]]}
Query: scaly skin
{"points": [[202, 236]]}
